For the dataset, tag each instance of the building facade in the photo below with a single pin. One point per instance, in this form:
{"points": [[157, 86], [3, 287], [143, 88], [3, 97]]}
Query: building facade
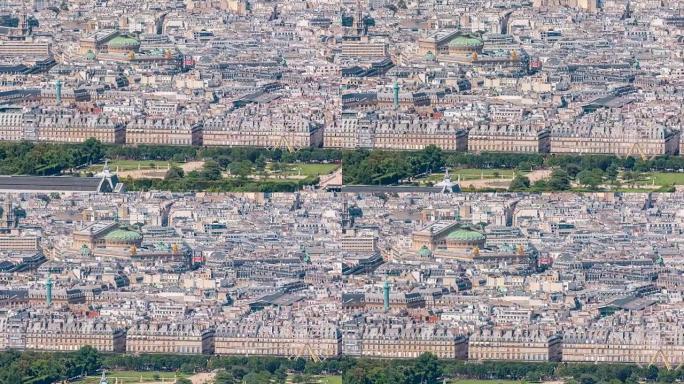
{"points": [[515, 344]]}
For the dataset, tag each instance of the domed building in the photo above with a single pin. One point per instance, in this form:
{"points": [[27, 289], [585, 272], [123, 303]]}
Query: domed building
{"points": [[123, 45], [464, 239], [90, 55], [425, 252], [465, 45], [440, 236], [123, 239], [450, 45]]}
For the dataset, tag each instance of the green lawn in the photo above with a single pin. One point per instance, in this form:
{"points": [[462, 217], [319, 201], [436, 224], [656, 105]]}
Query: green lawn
{"points": [[662, 178], [473, 174], [331, 380], [132, 165], [312, 170], [134, 377], [468, 381], [311, 379]]}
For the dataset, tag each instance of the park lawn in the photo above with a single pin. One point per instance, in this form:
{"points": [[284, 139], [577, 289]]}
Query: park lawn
{"points": [[469, 381], [309, 170], [662, 178], [315, 169], [331, 380], [132, 165], [134, 376], [473, 174]]}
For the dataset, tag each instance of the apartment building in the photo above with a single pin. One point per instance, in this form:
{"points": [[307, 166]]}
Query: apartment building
{"points": [[164, 132], [79, 128], [184, 338], [509, 137], [643, 347], [19, 243], [363, 49], [354, 130], [515, 344], [70, 334], [286, 339], [277, 131], [397, 340], [364, 242], [24, 48], [12, 126]]}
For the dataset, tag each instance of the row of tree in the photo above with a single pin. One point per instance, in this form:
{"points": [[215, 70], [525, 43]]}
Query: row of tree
{"points": [[590, 171], [223, 155], [375, 167], [428, 369], [44, 368], [25, 158]]}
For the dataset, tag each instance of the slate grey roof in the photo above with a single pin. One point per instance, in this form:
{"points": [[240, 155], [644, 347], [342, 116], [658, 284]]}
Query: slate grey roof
{"points": [[51, 184]]}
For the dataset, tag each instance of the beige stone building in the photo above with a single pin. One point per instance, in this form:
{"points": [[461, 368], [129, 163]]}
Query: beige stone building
{"points": [[417, 135], [79, 128], [164, 132], [396, 340], [70, 334], [14, 242], [362, 242], [170, 338], [92, 236], [609, 132], [643, 347], [509, 137], [447, 44], [17, 126], [518, 344], [260, 130], [354, 130], [24, 48], [12, 126], [363, 49], [285, 339]]}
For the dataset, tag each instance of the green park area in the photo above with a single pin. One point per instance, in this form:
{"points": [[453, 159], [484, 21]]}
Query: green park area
{"points": [[300, 169], [313, 379], [471, 174], [133, 165], [472, 381], [332, 380], [662, 178], [124, 377]]}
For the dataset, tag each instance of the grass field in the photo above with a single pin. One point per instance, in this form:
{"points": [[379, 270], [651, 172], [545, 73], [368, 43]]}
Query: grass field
{"points": [[307, 169], [473, 174], [662, 178], [468, 381], [315, 379], [132, 165], [134, 377], [331, 380]]}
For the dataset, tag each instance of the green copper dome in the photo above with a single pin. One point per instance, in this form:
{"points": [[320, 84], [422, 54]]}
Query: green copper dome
{"points": [[465, 235], [123, 42], [123, 236], [424, 251], [466, 41], [90, 55]]}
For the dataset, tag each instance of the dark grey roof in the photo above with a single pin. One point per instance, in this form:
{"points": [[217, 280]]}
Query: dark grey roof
{"points": [[50, 183]]}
